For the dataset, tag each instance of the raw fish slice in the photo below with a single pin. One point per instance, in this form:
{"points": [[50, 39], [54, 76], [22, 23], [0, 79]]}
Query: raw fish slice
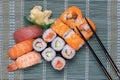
{"points": [[25, 33]]}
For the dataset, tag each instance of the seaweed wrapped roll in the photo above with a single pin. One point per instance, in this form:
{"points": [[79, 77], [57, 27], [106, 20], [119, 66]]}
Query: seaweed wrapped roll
{"points": [[48, 54], [58, 43], [58, 63], [39, 44], [49, 35], [68, 52]]}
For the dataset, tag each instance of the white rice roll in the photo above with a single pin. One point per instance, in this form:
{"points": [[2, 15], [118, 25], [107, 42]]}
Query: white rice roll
{"points": [[48, 54], [68, 52], [39, 44], [58, 63], [58, 44], [49, 35]]}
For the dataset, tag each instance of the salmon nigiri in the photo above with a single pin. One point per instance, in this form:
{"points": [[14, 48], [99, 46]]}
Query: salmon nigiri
{"points": [[20, 49], [25, 61]]}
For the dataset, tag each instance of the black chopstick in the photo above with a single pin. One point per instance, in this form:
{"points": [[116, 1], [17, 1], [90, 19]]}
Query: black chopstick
{"points": [[94, 54], [105, 51]]}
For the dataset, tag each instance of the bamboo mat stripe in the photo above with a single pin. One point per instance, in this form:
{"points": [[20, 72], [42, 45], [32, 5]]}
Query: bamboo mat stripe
{"points": [[12, 29], [109, 31], [118, 35], [113, 33], [65, 70], [44, 62], [87, 51], [1, 29], [21, 74], [5, 38]]}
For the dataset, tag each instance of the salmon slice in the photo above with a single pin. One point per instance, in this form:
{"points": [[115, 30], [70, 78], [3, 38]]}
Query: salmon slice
{"points": [[59, 64], [60, 28], [25, 61], [20, 49]]}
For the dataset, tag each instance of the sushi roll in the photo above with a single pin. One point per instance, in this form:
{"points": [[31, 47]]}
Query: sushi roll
{"points": [[49, 35], [58, 43], [60, 28], [39, 44], [58, 63], [68, 52], [48, 54], [74, 40]]}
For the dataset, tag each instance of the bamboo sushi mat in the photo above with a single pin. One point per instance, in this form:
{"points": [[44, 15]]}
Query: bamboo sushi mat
{"points": [[105, 14]]}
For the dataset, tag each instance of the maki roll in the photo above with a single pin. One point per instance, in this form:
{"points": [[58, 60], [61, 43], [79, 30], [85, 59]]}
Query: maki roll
{"points": [[49, 35], [60, 28], [74, 40], [68, 52], [48, 54], [39, 44], [58, 63], [58, 43]]}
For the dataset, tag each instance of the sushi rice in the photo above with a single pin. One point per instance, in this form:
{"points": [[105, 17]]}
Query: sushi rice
{"points": [[58, 43], [48, 54], [68, 52], [39, 44], [58, 63]]}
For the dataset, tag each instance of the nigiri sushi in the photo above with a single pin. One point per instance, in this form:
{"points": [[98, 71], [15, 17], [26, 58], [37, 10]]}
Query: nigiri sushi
{"points": [[25, 33], [20, 48], [58, 63], [25, 61]]}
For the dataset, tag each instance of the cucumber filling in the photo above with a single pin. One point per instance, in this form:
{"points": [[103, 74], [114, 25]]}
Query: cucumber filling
{"points": [[48, 53], [58, 44]]}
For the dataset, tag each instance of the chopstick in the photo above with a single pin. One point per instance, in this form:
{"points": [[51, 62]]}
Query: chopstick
{"points": [[105, 51], [94, 54]]}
